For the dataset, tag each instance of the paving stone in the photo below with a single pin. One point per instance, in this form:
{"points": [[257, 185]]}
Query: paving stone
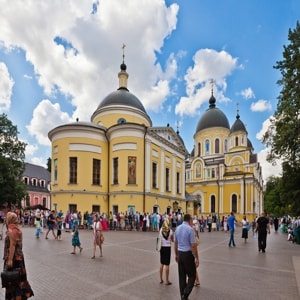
{"points": [[129, 268]]}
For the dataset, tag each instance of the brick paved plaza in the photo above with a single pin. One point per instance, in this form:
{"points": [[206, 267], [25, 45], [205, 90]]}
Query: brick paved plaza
{"points": [[129, 268]]}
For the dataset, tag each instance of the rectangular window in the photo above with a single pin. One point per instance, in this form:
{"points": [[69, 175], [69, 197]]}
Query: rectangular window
{"points": [[115, 170], [213, 173], [55, 170], [208, 173], [131, 170], [96, 209], [154, 175], [73, 170], [115, 209], [44, 202], [72, 208], [177, 182], [167, 179], [96, 171]]}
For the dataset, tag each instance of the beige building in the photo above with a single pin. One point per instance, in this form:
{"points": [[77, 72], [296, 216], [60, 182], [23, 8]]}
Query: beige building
{"points": [[118, 162]]}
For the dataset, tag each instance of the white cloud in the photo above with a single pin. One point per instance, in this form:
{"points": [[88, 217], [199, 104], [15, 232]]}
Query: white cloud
{"points": [[30, 149], [40, 161], [261, 105], [41, 123], [247, 93], [26, 76], [264, 128], [6, 86], [208, 64], [82, 74], [268, 169]]}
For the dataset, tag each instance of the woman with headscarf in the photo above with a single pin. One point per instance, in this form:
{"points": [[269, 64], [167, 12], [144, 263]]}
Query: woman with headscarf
{"points": [[166, 234], [14, 259], [75, 234]]}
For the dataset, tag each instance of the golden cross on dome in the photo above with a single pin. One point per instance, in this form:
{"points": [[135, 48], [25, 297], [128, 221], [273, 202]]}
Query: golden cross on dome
{"points": [[123, 48], [212, 82], [237, 109]]}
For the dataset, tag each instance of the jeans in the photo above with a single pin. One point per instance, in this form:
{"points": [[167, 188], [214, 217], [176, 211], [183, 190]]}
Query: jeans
{"points": [[231, 239]]}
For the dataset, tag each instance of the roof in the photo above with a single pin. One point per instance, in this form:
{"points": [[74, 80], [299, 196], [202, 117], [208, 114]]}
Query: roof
{"points": [[35, 171], [122, 97], [238, 125], [213, 117]]}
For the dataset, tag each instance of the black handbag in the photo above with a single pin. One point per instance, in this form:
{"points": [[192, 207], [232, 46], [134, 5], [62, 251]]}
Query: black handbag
{"points": [[10, 278]]}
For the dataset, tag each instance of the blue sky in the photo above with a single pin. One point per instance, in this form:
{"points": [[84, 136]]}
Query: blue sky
{"points": [[60, 58]]}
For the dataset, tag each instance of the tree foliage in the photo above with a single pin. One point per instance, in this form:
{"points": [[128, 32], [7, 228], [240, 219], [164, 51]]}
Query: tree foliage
{"points": [[49, 164], [283, 135], [274, 205], [12, 166]]}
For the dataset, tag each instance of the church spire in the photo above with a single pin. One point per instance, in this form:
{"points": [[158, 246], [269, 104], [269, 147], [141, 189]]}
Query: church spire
{"points": [[123, 75], [237, 111], [212, 100]]}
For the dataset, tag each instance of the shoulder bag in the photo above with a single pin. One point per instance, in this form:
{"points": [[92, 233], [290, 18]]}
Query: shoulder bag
{"points": [[158, 242], [10, 278]]}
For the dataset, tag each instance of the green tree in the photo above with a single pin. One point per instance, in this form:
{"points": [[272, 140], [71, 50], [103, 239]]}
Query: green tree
{"points": [[289, 189], [49, 164], [274, 204], [12, 165], [283, 135]]}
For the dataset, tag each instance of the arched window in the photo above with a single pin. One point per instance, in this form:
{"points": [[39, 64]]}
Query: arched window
{"points": [[199, 149], [225, 146], [198, 170], [236, 141], [121, 121], [217, 146], [234, 203], [206, 146], [213, 204]]}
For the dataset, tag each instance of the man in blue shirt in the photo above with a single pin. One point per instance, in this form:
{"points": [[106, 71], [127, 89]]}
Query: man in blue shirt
{"points": [[231, 224], [186, 255]]}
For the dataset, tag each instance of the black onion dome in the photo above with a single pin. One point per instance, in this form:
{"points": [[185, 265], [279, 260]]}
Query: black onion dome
{"points": [[213, 117], [122, 97], [238, 125], [123, 67], [249, 144]]}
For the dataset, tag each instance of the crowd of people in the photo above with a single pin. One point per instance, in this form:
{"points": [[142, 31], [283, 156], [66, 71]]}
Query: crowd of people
{"points": [[183, 230]]}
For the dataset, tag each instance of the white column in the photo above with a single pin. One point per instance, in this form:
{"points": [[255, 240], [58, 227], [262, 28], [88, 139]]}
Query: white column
{"points": [[147, 166], [182, 179], [174, 176], [162, 171]]}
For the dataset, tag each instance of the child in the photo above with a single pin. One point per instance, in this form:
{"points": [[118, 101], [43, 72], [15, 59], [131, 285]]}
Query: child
{"points": [[37, 224], [75, 235], [59, 228]]}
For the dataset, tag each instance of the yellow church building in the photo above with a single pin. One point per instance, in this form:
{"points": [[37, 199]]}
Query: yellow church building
{"points": [[222, 172], [120, 162]]}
